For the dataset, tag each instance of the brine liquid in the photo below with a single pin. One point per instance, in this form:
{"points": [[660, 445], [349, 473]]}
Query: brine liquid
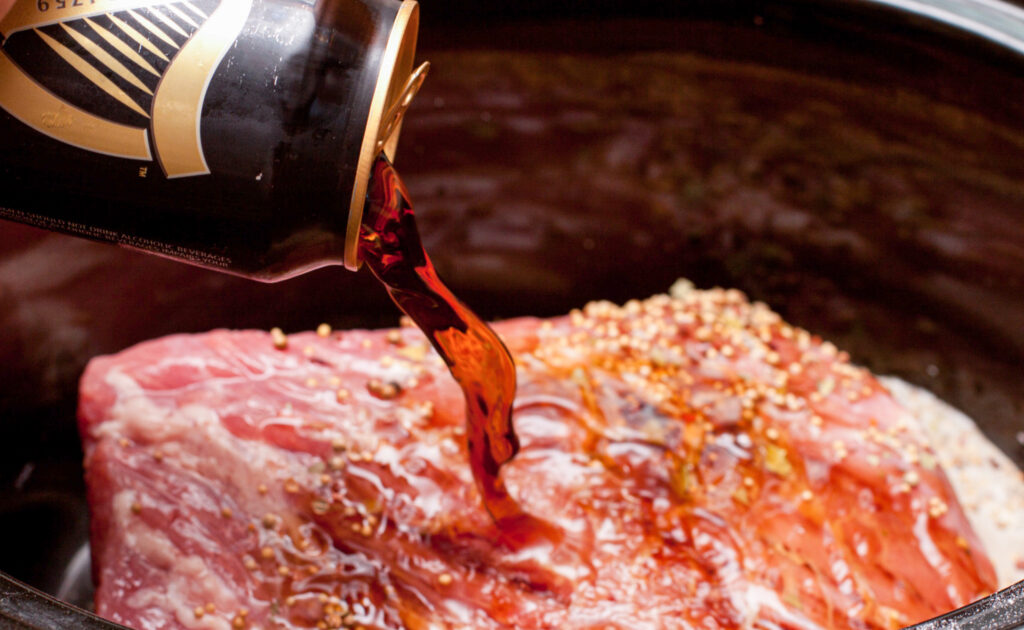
{"points": [[390, 246]]}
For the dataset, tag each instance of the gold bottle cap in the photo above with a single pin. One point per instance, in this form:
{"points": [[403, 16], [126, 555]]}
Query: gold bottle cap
{"points": [[391, 126]]}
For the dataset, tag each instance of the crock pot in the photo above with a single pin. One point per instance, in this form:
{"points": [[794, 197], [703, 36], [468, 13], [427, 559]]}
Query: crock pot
{"points": [[856, 164]]}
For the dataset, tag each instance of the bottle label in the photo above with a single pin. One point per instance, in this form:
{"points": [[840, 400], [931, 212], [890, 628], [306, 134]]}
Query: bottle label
{"points": [[146, 64]]}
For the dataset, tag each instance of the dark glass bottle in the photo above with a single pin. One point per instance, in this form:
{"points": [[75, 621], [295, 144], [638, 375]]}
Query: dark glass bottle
{"points": [[233, 134]]}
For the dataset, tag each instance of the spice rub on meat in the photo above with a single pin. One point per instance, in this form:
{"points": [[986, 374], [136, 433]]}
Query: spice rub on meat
{"points": [[707, 464]]}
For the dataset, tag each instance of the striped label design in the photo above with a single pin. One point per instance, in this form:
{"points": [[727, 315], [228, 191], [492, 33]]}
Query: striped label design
{"points": [[146, 64]]}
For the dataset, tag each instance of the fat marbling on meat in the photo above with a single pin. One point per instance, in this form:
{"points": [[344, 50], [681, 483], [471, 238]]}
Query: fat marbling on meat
{"points": [[706, 464]]}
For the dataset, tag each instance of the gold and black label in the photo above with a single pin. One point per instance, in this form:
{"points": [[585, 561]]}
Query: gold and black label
{"points": [[111, 109], [124, 78]]}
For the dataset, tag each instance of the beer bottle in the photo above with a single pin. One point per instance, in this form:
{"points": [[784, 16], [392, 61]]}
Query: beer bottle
{"points": [[237, 135]]}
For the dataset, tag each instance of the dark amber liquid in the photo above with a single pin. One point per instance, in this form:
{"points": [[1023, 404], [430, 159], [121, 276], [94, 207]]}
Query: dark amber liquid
{"points": [[390, 246]]}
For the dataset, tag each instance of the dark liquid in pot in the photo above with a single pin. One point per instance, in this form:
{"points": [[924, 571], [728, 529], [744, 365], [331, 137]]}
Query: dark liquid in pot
{"points": [[390, 246]]}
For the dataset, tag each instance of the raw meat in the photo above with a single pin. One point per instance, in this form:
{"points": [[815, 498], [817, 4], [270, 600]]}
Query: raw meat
{"points": [[707, 464]]}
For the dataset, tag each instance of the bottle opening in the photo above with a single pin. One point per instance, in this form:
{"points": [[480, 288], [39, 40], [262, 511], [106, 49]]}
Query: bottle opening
{"points": [[395, 72]]}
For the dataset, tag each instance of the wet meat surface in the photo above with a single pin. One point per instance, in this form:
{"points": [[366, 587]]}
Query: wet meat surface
{"points": [[705, 464]]}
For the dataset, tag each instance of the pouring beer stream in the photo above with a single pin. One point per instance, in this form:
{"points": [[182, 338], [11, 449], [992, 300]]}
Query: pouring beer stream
{"points": [[145, 98]]}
